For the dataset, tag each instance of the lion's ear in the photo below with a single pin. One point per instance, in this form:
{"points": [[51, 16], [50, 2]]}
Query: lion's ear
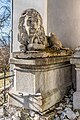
{"points": [[51, 34]]}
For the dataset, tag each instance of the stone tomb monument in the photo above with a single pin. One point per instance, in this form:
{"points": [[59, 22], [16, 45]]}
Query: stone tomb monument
{"points": [[42, 68]]}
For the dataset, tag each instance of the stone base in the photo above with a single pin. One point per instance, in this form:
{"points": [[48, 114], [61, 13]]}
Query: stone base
{"points": [[42, 82], [27, 101], [76, 100], [37, 102]]}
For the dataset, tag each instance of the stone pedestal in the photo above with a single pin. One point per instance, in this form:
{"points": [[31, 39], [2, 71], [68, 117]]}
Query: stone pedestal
{"points": [[41, 79], [76, 96]]}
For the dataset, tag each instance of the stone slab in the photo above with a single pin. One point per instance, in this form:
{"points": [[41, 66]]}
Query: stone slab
{"points": [[39, 61], [76, 100], [43, 53], [75, 60]]}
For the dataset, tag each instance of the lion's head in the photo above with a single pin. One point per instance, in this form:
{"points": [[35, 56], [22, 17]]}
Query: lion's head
{"points": [[31, 31]]}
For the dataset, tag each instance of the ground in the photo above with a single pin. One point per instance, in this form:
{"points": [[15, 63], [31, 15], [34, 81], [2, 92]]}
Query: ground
{"points": [[61, 111]]}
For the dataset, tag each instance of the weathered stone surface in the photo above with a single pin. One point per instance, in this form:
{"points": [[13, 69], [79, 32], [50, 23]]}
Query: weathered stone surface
{"points": [[59, 111], [76, 99], [29, 101], [31, 31], [42, 54], [47, 76], [75, 61], [40, 63], [70, 114]]}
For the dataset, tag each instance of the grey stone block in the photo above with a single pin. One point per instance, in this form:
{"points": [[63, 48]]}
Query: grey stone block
{"points": [[76, 100], [50, 77]]}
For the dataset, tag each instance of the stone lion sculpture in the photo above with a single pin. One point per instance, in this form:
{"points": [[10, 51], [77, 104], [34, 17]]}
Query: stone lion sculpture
{"points": [[31, 32], [32, 35]]}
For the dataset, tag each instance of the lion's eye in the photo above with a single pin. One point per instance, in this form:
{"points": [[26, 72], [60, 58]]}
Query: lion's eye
{"points": [[28, 22]]}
